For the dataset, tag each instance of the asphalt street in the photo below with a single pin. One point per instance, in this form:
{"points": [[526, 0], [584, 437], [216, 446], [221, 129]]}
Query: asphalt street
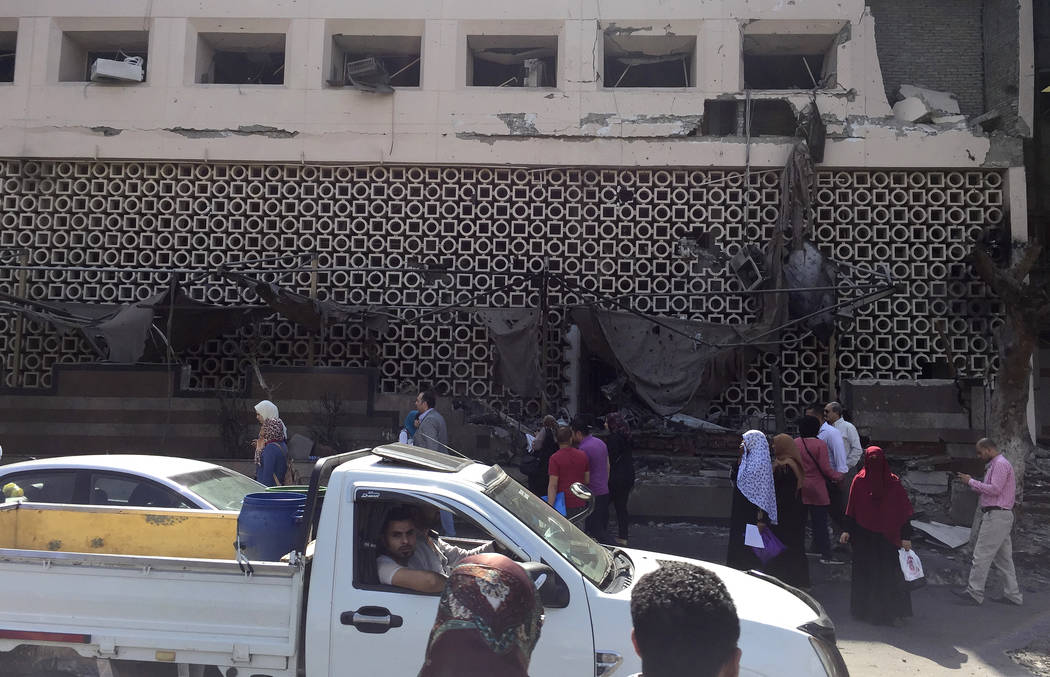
{"points": [[944, 637]]}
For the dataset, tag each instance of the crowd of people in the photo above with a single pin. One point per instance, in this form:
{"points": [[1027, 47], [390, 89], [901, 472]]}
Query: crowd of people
{"points": [[818, 477], [780, 485], [596, 453]]}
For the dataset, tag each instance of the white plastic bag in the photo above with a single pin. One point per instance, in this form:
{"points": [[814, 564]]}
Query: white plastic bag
{"points": [[911, 567]]}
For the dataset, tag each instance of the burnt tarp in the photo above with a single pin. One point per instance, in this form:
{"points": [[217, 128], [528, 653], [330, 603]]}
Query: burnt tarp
{"points": [[120, 333], [307, 312], [515, 332], [669, 362], [805, 266]]}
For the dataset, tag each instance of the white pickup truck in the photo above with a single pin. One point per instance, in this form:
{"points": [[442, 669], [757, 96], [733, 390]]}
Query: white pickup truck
{"points": [[129, 590]]}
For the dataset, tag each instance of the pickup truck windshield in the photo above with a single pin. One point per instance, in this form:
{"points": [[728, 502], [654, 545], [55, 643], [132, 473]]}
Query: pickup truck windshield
{"points": [[220, 487], [591, 559]]}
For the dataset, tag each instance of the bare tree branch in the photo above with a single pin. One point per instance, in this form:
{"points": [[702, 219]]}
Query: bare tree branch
{"points": [[1020, 270]]}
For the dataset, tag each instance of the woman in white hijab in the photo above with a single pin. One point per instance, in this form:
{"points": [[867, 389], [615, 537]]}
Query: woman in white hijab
{"points": [[266, 410], [754, 498]]}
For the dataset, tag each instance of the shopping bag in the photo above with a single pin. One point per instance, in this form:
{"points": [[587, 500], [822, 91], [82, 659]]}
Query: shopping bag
{"points": [[559, 502], [911, 567], [773, 546]]}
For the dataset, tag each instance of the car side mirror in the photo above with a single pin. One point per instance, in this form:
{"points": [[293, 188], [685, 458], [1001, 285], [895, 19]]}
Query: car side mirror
{"points": [[554, 593], [580, 491]]}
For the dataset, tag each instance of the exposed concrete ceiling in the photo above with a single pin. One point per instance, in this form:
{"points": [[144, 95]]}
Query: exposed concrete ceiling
{"points": [[110, 41], [245, 42], [405, 45]]}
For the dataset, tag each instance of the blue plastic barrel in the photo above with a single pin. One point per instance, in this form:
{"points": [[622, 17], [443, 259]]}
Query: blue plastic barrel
{"points": [[268, 523]]}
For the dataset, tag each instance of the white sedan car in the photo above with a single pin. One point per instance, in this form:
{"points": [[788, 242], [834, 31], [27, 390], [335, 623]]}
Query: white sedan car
{"points": [[130, 480]]}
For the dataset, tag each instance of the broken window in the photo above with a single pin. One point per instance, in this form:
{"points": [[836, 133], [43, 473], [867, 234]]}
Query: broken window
{"points": [[7, 55], [512, 60], [649, 60], [374, 61], [103, 56], [773, 117], [720, 118], [775, 60], [240, 58]]}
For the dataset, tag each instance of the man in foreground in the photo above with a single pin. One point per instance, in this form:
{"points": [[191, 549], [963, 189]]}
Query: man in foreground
{"points": [[685, 623]]}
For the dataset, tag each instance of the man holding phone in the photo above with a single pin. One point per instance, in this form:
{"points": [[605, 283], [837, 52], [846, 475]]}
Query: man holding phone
{"points": [[992, 525]]}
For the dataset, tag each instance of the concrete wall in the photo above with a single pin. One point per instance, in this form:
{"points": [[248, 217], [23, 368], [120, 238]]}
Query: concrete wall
{"points": [[933, 43], [170, 116]]}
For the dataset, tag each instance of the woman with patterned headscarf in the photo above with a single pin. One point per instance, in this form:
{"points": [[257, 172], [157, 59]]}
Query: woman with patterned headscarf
{"points": [[878, 522], [621, 471], [271, 453], [488, 621], [754, 498]]}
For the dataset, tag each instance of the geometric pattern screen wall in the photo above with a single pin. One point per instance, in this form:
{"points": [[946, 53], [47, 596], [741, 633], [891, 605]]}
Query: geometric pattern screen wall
{"points": [[623, 232]]}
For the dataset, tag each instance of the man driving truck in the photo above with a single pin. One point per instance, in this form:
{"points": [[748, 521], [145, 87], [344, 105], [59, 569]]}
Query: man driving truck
{"points": [[412, 556]]}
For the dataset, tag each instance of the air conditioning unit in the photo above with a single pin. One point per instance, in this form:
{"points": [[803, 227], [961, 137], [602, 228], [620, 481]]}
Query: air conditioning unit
{"points": [[107, 70]]}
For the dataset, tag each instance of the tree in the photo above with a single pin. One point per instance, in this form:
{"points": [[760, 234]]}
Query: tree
{"points": [[1027, 306]]}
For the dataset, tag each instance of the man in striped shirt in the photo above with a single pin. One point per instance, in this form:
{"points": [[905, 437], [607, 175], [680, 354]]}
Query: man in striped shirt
{"points": [[992, 524]]}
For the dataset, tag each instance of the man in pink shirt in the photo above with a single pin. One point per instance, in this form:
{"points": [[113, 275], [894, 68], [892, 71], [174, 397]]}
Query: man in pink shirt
{"points": [[992, 524]]}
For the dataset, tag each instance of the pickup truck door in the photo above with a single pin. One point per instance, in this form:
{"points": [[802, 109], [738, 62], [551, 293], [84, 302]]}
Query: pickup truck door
{"points": [[386, 629]]}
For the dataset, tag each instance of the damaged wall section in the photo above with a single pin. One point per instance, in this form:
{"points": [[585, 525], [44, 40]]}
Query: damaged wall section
{"points": [[933, 43]]}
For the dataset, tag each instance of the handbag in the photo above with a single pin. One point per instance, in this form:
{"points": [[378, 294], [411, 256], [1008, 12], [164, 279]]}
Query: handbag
{"points": [[834, 491], [773, 546], [911, 567]]}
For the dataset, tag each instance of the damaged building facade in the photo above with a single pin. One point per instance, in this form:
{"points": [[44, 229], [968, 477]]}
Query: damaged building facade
{"points": [[498, 156]]}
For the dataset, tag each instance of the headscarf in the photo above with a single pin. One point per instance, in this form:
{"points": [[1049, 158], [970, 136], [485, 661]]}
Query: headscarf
{"points": [[266, 410], [488, 621], [755, 476], [272, 431], [617, 424], [877, 500], [410, 422], [785, 453]]}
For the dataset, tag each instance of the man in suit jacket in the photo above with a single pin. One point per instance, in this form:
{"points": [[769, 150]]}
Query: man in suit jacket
{"points": [[431, 432]]}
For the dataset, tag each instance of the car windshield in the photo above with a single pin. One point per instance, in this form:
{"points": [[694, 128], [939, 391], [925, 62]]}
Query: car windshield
{"points": [[221, 487], [590, 558]]}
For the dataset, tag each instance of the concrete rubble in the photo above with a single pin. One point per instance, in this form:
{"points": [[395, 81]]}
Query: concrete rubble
{"points": [[919, 104]]}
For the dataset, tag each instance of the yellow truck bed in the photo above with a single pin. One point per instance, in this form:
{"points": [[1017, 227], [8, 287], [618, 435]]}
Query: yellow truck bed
{"points": [[203, 534]]}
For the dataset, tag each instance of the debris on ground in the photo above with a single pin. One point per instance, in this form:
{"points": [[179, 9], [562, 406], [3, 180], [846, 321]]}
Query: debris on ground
{"points": [[1035, 657]]}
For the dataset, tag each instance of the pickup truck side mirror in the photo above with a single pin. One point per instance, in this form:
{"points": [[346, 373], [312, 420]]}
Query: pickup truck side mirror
{"points": [[553, 592], [580, 491]]}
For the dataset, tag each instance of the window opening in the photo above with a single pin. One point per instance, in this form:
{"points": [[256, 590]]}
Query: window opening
{"points": [[240, 58], [512, 61], [720, 118], [8, 39], [376, 62], [649, 61], [773, 117], [103, 56], [788, 61]]}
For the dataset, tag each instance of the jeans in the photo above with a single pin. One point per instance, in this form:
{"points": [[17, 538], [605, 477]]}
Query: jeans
{"points": [[819, 517]]}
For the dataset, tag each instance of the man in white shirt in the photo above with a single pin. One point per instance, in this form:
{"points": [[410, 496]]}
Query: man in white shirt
{"points": [[854, 452], [831, 437], [412, 558]]}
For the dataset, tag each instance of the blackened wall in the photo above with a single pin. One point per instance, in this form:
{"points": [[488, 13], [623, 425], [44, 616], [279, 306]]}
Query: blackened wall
{"points": [[1001, 58], [936, 44]]}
